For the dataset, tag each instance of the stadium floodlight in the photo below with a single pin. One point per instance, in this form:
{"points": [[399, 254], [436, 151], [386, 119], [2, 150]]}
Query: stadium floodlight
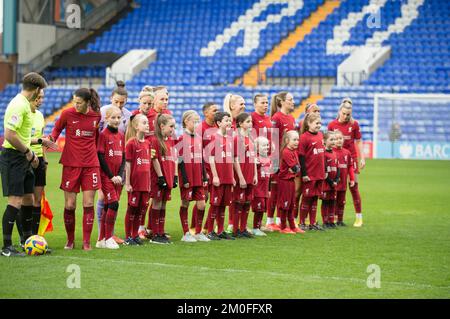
{"points": [[411, 126]]}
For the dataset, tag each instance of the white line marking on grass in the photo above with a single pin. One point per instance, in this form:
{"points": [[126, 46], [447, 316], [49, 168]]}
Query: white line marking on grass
{"points": [[265, 273]]}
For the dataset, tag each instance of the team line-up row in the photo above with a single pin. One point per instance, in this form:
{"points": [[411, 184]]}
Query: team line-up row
{"points": [[232, 159]]}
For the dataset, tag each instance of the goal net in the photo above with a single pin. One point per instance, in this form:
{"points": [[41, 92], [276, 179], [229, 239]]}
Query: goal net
{"points": [[411, 126]]}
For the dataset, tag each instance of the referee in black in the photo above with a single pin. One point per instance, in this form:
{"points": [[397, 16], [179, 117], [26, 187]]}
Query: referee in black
{"points": [[17, 160]]}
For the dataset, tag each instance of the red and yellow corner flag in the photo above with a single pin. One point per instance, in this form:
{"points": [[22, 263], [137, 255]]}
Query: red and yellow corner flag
{"points": [[45, 224]]}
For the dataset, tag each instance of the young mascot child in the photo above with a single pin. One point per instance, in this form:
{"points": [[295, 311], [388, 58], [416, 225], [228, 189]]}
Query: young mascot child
{"points": [[164, 175], [111, 155], [289, 168], [192, 174], [311, 152], [261, 191], [137, 176], [221, 163], [345, 162], [332, 178], [245, 172]]}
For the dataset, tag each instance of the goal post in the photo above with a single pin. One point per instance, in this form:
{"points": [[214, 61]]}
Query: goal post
{"points": [[411, 126]]}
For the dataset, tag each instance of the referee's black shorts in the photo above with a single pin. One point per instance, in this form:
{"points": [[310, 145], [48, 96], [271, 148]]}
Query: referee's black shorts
{"points": [[40, 173], [17, 174]]}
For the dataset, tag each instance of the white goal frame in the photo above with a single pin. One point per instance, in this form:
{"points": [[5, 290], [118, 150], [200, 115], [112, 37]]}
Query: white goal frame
{"points": [[396, 96]]}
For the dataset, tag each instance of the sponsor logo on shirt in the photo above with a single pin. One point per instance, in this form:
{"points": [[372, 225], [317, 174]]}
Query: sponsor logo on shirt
{"points": [[317, 151], [141, 161]]}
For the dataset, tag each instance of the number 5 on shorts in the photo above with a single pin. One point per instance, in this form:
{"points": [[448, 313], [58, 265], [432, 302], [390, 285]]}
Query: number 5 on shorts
{"points": [[94, 179]]}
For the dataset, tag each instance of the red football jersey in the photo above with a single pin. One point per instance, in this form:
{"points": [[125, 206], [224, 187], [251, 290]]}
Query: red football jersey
{"points": [[262, 124], [283, 123], [289, 159], [207, 132], [80, 149], [233, 124], [167, 162], [222, 151], [189, 149], [112, 146], [345, 162], [244, 151], [138, 154], [152, 115], [263, 168], [331, 166], [311, 147], [351, 132]]}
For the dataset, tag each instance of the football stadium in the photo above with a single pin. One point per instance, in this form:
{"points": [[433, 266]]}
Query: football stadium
{"points": [[225, 149]]}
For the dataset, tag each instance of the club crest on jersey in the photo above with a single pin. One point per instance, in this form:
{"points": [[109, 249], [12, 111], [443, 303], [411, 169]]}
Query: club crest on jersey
{"points": [[215, 199], [286, 204]]}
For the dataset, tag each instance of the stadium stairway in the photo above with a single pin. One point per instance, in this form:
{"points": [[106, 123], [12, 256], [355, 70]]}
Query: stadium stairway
{"points": [[258, 71], [312, 99]]}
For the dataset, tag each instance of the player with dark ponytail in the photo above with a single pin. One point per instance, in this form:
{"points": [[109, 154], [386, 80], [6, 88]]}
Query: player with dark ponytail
{"points": [[81, 167]]}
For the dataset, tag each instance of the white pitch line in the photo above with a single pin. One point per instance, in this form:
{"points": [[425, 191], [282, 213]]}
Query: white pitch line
{"points": [[270, 273]]}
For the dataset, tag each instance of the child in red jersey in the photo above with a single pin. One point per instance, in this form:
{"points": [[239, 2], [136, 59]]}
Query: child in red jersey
{"points": [[245, 173], [111, 155], [137, 174], [282, 105], [234, 105], [208, 130], [310, 108], [289, 168], [346, 170], [81, 167], [261, 191], [332, 178], [146, 99], [311, 151], [221, 162], [193, 175], [159, 106], [164, 175]]}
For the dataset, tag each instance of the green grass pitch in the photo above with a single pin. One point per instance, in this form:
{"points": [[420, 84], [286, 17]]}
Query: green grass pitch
{"points": [[406, 233]]}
